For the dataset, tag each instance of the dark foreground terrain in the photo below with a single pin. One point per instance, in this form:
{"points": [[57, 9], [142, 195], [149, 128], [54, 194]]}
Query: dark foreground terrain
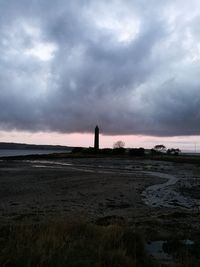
{"points": [[99, 212]]}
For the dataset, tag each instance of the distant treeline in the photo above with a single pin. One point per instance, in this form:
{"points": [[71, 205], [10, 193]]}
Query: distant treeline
{"points": [[110, 151], [30, 146], [137, 152]]}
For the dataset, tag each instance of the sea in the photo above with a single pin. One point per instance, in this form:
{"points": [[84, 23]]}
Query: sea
{"points": [[25, 152]]}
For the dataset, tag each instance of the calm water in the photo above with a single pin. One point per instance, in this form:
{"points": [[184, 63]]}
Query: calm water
{"points": [[19, 152]]}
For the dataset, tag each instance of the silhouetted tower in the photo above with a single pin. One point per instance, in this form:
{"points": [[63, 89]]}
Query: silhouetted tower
{"points": [[96, 138]]}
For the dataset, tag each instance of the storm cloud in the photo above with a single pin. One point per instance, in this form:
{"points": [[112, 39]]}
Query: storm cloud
{"points": [[133, 67]]}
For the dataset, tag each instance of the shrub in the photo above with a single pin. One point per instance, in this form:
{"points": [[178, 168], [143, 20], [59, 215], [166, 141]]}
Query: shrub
{"points": [[119, 151], [139, 152], [77, 149]]}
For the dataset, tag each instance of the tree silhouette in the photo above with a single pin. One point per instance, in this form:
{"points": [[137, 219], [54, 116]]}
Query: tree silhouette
{"points": [[173, 151], [119, 144], [160, 148]]}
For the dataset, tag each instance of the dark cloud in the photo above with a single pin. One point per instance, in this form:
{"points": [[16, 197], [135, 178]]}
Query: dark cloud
{"points": [[132, 68]]}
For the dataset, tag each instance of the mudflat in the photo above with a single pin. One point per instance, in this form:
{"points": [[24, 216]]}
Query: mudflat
{"points": [[137, 190], [158, 200]]}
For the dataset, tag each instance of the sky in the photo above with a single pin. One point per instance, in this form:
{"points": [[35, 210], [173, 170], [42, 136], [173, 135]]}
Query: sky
{"points": [[130, 66]]}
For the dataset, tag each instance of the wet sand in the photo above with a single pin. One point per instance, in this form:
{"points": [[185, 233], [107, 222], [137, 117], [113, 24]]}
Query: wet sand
{"points": [[136, 190], [158, 199], [43, 189]]}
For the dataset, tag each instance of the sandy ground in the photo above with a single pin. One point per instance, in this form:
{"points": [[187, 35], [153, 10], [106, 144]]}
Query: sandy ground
{"points": [[134, 189], [159, 199]]}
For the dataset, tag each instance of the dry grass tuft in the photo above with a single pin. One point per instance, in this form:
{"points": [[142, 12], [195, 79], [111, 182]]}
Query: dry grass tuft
{"points": [[71, 243]]}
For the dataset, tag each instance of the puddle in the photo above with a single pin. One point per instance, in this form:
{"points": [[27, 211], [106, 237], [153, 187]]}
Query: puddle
{"points": [[45, 166], [156, 250], [166, 251], [49, 162], [188, 242]]}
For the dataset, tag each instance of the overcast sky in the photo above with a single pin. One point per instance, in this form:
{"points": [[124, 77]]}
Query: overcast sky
{"points": [[133, 67]]}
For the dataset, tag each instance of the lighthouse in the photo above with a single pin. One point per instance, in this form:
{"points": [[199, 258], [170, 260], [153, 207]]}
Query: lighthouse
{"points": [[96, 138]]}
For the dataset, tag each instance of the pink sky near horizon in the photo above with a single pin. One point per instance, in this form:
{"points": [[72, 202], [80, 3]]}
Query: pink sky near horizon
{"points": [[86, 140]]}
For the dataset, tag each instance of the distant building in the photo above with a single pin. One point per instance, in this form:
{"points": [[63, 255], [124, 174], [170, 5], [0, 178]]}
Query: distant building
{"points": [[96, 138]]}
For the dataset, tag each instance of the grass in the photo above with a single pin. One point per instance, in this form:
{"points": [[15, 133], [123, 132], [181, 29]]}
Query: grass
{"points": [[192, 159], [71, 243], [77, 243]]}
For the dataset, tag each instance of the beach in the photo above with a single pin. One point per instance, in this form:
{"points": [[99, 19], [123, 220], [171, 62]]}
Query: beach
{"points": [[94, 187], [152, 198]]}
